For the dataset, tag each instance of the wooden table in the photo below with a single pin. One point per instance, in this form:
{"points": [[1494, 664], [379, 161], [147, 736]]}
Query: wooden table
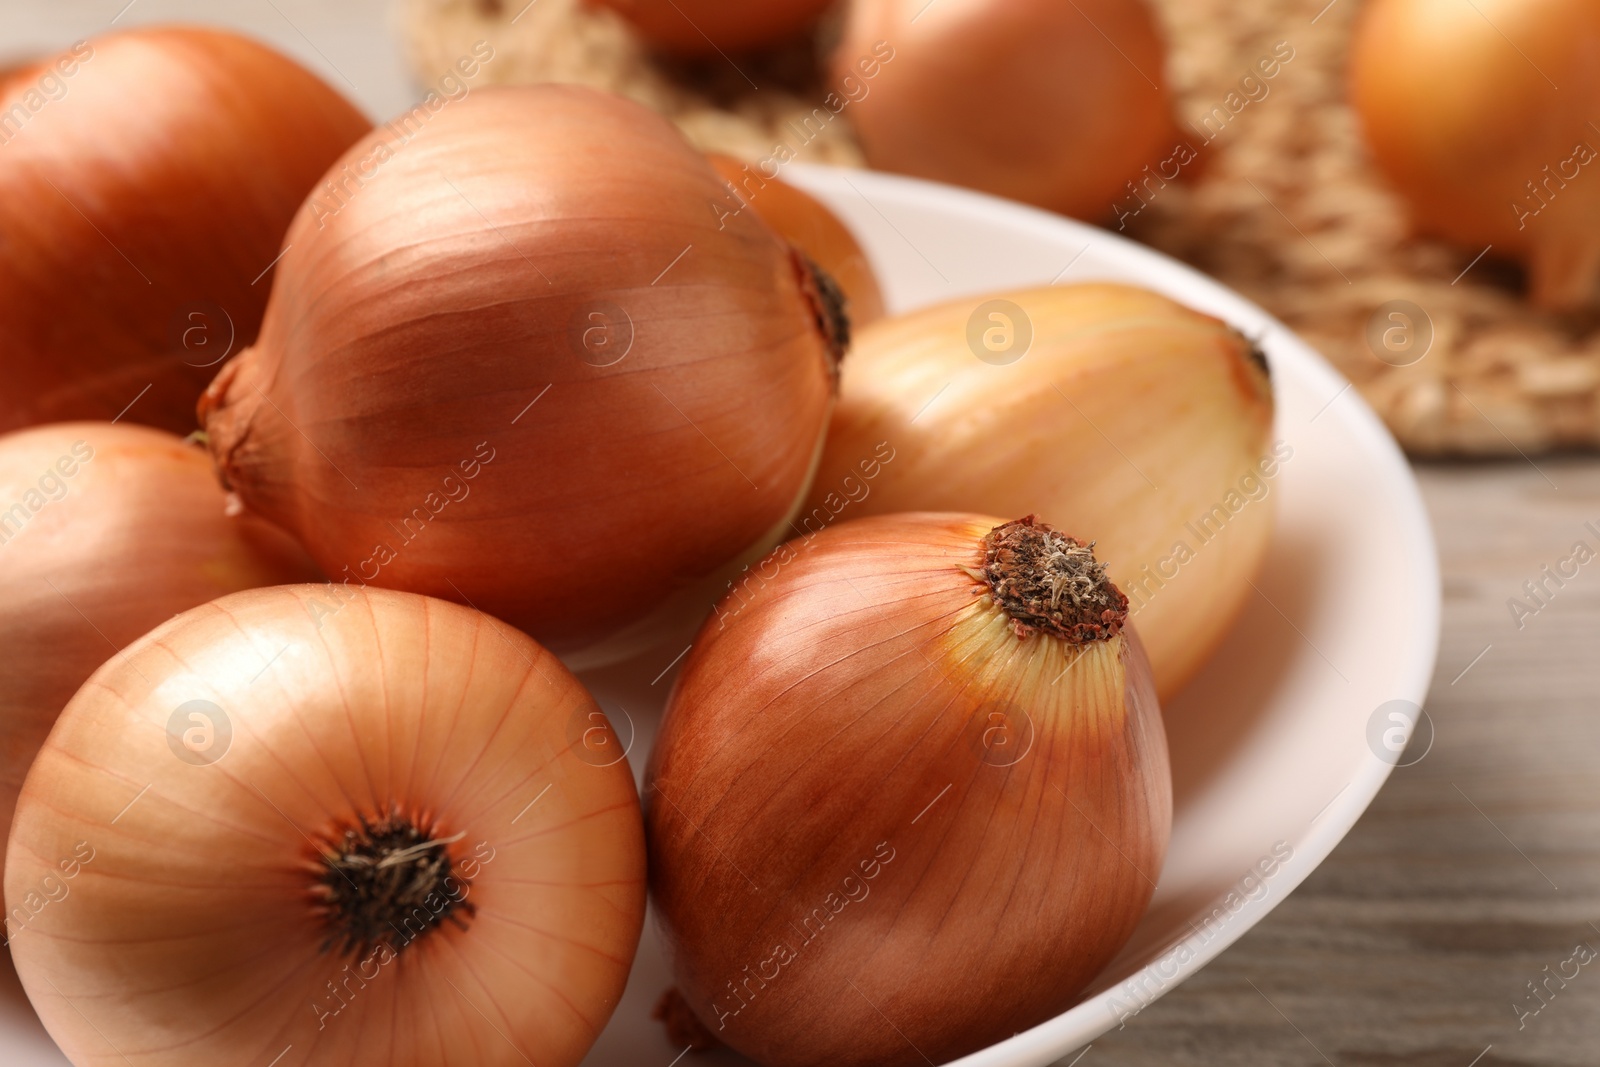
{"points": [[1477, 867]]}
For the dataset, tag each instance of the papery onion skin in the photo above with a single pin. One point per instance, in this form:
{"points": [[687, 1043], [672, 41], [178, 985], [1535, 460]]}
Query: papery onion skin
{"points": [[415, 331], [805, 222], [841, 735], [12, 71], [1055, 104], [134, 534], [1480, 115], [1129, 419], [143, 194], [703, 28], [191, 938]]}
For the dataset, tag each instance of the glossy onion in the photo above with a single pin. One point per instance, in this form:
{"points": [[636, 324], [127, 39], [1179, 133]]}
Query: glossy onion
{"points": [[805, 222], [146, 181], [1128, 417], [1056, 104], [548, 240], [1462, 111], [388, 837], [706, 27], [909, 796], [105, 531]]}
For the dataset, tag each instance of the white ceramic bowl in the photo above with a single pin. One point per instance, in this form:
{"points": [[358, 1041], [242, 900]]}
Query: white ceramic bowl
{"points": [[1278, 746]]}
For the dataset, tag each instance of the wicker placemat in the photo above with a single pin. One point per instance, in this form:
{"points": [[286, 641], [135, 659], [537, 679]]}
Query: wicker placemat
{"points": [[1284, 206]]}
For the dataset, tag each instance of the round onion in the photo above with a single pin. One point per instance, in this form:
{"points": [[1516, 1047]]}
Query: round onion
{"points": [[548, 240], [13, 70], [805, 222], [1135, 421], [1481, 115], [146, 180], [402, 836], [910, 794], [1057, 104], [106, 531], [707, 27]]}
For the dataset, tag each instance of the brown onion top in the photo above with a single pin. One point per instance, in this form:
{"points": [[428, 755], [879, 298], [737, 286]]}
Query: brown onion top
{"points": [[1051, 583]]}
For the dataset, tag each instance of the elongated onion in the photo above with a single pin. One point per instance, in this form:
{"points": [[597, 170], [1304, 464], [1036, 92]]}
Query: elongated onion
{"points": [[707, 27], [1481, 115], [805, 222], [402, 837], [1057, 104], [1129, 418], [910, 798], [146, 180], [105, 531], [415, 331]]}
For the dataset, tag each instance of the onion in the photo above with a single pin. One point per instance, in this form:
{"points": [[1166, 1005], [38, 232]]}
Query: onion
{"points": [[146, 180], [707, 27], [404, 836], [1057, 104], [14, 70], [805, 222], [892, 820], [1481, 116], [415, 330], [1127, 417], [105, 531]]}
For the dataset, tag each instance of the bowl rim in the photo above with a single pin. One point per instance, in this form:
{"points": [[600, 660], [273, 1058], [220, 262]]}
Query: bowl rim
{"points": [[1050, 1040]]}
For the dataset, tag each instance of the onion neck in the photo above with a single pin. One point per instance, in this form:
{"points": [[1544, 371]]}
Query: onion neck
{"points": [[227, 409], [388, 882], [1257, 356], [1050, 583], [829, 306]]}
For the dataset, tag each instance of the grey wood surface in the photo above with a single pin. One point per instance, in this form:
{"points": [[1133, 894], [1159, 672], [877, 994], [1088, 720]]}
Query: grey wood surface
{"points": [[1476, 868]]}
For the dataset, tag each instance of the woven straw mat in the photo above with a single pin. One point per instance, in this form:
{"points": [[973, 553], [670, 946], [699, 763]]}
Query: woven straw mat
{"points": [[1286, 208]]}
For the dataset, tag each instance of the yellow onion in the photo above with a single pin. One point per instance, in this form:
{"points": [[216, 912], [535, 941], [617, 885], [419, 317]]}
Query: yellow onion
{"points": [[707, 27], [805, 222], [1482, 116], [105, 531], [12, 70], [532, 304], [910, 797], [401, 837], [1128, 418], [1057, 104], [146, 180]]}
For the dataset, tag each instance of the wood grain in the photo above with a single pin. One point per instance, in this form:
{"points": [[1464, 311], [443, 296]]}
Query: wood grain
{"points": [[1476, 868]]}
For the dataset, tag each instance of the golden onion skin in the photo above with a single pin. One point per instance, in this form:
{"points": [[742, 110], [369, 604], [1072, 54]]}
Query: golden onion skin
{"points": [[805, 222], [191, 932], [625, 391], [1128, 421], [1490, 142], [883, 827], [709, 28], [1063, 105], [146, 180], [106, 531]]}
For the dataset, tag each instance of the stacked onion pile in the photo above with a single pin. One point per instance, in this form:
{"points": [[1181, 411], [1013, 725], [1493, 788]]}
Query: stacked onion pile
{"points": [[297, 776]]}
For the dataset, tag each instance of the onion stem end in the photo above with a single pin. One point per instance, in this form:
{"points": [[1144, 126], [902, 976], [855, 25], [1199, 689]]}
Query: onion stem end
{"points": [[1051, 583], [388, 882]]}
